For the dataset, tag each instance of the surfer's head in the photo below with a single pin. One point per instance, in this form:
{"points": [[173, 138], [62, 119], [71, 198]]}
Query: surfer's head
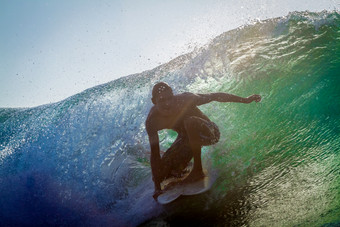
{"points": [[162, 97], [161, 92]]}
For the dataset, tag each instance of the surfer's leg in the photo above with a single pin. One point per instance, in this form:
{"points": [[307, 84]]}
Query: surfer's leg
{"points": [[200, 133], [176, 158]]}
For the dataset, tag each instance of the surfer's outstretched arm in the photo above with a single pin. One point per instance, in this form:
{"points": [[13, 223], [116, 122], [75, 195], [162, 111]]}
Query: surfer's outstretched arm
{"points": [[225, 97]]}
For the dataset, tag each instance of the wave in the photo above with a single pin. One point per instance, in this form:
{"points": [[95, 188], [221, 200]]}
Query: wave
{"points": [[85, 160]]}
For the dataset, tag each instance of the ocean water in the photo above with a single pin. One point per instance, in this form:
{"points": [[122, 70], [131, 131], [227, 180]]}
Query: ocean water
{"points": [[84, 161]]}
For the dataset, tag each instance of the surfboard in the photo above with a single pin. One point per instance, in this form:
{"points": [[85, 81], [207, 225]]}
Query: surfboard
{"points": [[175, 188]]}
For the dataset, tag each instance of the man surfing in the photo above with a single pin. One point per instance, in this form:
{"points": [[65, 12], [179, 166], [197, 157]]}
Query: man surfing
{"points": [[181, 113]]}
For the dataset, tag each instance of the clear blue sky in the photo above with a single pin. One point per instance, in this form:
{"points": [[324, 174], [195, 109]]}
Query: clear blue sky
{"points": [[52, 49]]}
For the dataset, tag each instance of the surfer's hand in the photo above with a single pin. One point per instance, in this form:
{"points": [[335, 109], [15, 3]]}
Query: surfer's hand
{"points": [[156, 194], [256, 98]]}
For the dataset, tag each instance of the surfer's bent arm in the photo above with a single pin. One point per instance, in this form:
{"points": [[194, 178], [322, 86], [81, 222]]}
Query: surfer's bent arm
{"points": [[225, 97], [155, 159]]}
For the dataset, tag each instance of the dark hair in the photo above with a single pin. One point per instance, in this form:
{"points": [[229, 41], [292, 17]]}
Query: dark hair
{"points": [[160, 88]]}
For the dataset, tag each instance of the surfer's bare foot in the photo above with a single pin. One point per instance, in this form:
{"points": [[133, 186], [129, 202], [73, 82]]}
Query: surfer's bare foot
{"points": [[179, 174], [156, 194], [194, 176]]}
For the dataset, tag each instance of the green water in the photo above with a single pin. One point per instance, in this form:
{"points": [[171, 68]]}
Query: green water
{"points": [[285, 150], [278, 160]]}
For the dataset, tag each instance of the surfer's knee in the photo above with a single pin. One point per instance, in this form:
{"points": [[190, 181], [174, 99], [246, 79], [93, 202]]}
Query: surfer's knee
{"points": [[192, 129], [191, 122], [202, 131]]}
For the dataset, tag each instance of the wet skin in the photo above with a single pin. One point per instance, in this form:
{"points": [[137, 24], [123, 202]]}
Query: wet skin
{"points": [[176, 112]]}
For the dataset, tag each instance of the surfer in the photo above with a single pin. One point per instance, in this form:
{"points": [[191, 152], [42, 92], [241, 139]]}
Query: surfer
{"points": [[180, 113]]}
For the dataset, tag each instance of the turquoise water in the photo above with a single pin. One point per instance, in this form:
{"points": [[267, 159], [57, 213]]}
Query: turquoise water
{"points": [[84, 160]]}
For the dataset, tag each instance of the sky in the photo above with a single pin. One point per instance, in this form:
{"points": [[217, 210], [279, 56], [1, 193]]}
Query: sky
{"points": [[52, 49]]}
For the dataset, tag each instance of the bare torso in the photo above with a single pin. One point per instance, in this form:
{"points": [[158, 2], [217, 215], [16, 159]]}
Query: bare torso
{"points": [[182, 106]]}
